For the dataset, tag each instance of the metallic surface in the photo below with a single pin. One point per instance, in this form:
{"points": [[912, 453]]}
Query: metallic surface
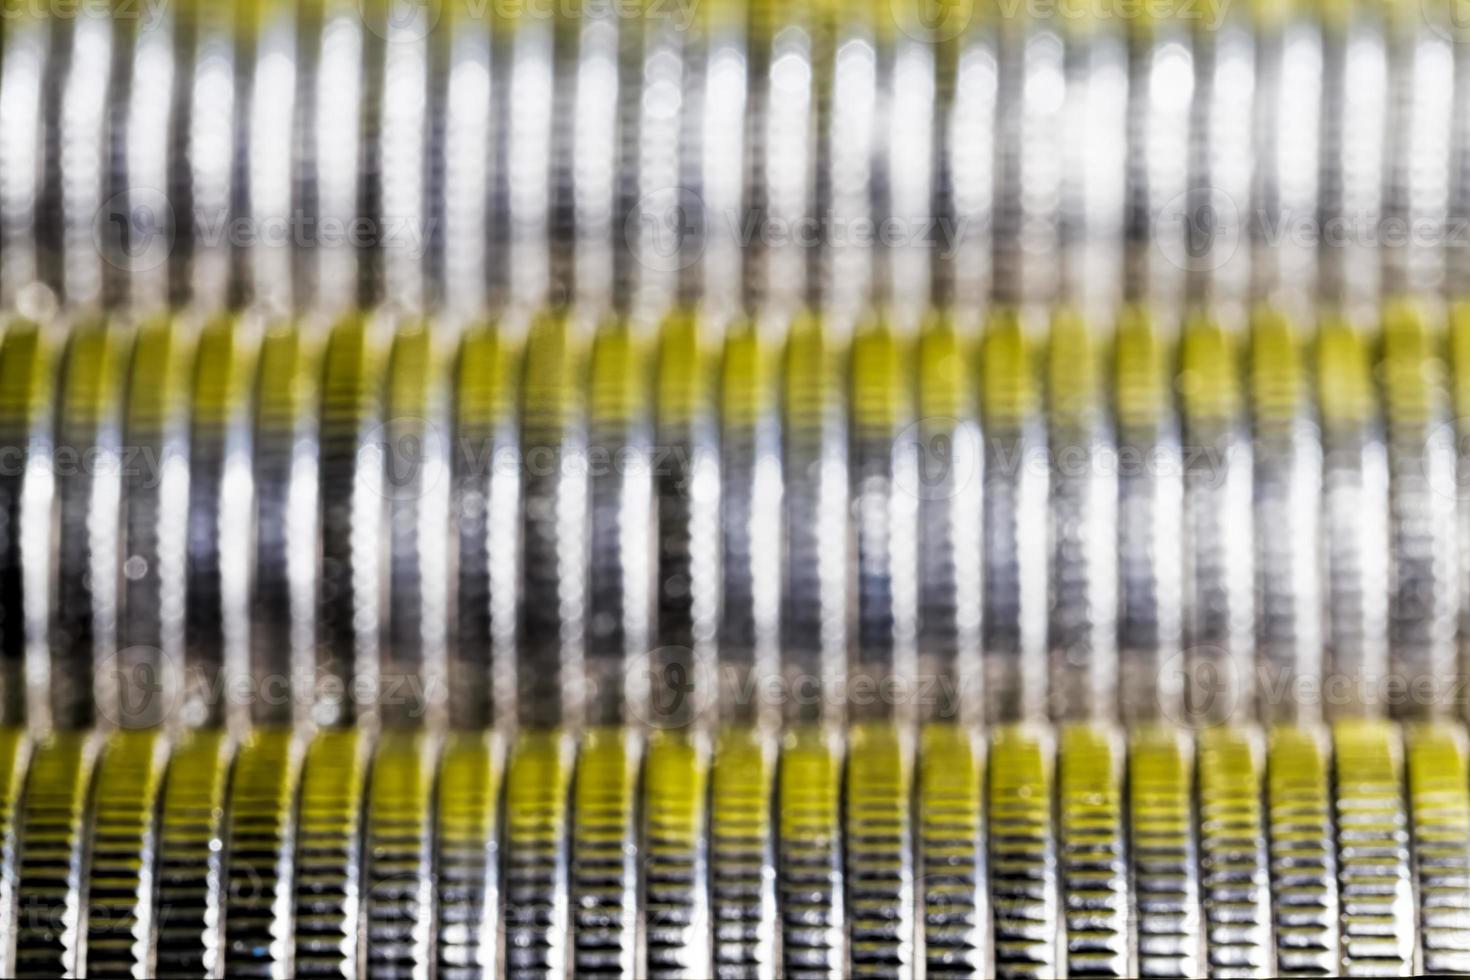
{"points": [[737, 489]]}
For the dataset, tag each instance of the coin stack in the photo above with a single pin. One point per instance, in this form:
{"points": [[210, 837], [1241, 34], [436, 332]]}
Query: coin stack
{"points": [[734, 488]]}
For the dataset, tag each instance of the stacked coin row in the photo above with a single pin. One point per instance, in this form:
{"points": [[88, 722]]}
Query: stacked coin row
{"points": [[1036, 852], [549, 525], [456, 156]]}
